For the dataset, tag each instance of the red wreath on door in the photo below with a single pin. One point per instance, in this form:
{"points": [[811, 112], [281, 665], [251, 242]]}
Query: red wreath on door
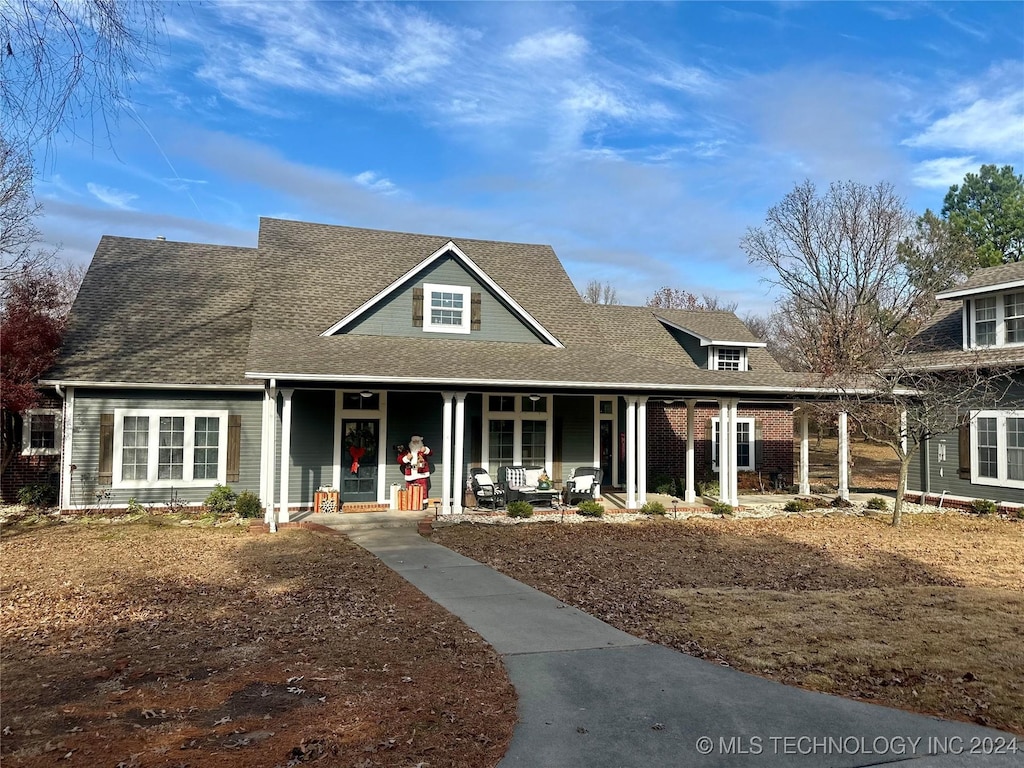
{"points": [[356, 452]]}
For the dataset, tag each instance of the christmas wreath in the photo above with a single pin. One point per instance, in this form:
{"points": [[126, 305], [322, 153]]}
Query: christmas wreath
{"points": [[359, 442]]}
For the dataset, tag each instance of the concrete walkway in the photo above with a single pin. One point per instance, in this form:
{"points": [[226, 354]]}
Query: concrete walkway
{"points": [[591, 695]]}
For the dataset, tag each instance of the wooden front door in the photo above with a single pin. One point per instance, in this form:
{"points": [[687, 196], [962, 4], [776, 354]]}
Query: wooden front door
{"points": [[360, 439]]}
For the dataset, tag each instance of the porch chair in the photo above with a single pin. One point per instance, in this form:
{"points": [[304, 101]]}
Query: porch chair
{"points": [[584, 485], [519, 482], [486, 492]]}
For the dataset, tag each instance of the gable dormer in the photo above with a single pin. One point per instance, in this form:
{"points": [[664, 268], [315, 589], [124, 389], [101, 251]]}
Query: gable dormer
{"points": [[992, 313], [445, 295], [717, 345]]}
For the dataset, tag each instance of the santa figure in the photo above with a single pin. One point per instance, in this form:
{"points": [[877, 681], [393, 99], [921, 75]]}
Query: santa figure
{"points": [[414, 464]]}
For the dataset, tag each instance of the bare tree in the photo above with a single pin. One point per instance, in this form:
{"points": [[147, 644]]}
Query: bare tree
{"points": [[675, 298], [597, 292], [19, 235], [61, 60]]}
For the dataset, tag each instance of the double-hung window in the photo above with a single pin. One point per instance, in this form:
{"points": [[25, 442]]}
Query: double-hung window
{"points": [[727, 359], [997, 320], [41, 432], [997, 448], [744, 443], [165, 448], [517, 431], [446, 308]]}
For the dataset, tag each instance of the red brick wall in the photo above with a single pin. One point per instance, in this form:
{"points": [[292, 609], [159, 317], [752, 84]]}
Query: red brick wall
{"points": [[666, 440], [26, 470]]}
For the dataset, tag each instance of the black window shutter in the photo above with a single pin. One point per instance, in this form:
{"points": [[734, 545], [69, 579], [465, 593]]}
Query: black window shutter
{"points": [[964, 449], [709, 444], [474, 311], [234, 447], [417, 307], [758, 444], [105, 473]]}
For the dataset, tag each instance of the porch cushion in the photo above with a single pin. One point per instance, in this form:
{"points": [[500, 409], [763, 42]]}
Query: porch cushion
{"points": [[515, 477], [532, 477], [583, 482], [484, 479]]}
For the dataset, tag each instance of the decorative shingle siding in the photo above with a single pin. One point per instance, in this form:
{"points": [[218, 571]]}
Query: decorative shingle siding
{"points": [[666, 436]]}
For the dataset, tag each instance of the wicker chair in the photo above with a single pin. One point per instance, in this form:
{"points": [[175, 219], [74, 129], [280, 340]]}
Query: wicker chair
{"points": [[486, 492], [584, 485]]}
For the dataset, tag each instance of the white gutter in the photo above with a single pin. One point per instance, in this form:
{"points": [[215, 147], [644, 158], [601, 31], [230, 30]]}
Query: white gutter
{"points": [[148, 385]]}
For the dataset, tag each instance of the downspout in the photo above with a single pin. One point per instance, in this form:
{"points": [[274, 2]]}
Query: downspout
{"points": [[272, 433], [63, 454]]}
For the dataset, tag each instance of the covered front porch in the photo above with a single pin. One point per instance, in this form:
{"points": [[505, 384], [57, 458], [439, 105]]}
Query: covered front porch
{"points": [[347, 440]]}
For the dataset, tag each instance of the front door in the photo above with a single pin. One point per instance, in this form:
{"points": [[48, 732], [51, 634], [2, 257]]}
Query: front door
{"points": [[359, 438]]}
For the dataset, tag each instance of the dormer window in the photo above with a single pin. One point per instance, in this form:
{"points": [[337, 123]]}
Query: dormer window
{"points": [[728, 359], [997, 320]]}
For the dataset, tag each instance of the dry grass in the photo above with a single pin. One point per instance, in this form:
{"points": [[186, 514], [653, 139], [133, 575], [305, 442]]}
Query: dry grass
{"points": [[874, 467], [151, 645], [927, 617]]}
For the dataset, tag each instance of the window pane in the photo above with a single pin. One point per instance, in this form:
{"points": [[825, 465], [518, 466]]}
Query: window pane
{"points": [[500, 443], [445, 308], [42, 430], [535, 443], [743, 446], [207, 450], [606, 406], [728, 359], [1014, 448], [171, 453], [985, 322], [503, 403], [540, 405], [134, 447], [1014, 313], [988, 448]]}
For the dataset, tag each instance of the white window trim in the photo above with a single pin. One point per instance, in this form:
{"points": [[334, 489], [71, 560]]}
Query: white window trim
{"points": [[26, 432], [428, 290], [753, 445], [1001, 455], [188, 464], [517, 416], [713, 358], [1000, 322]]}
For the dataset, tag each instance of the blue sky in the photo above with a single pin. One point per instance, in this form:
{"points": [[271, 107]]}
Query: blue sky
{"points": [[640, 140]]}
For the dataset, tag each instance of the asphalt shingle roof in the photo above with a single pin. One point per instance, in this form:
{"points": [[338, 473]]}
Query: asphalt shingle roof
{"points": [[183, 313], [993, 277], [939, 344]]}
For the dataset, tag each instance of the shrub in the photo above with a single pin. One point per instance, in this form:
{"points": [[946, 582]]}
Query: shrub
{"points": [[38, 495], [134, 508], [983, 507], [721, 508], [664, 484], [709, 488], [590, 509], [877, 502], [221, 500], [796, 505], [519, 509], [840, 503], [248, 505], [653, 508]]}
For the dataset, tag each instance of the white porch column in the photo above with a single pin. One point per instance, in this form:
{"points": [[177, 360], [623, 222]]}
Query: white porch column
{"points": [[459, 460], [805, 455], [641, 450], [691, 475], [630, 452], [446, 448], [267, 455], [734, 482], [724, 436], [844, 458], [286, 451]]}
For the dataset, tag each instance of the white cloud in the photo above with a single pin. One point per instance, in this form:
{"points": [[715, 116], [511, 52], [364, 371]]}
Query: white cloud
{"points": [[115, 198], [986, 125], [373, 181], [943, 172], [547, 46]]}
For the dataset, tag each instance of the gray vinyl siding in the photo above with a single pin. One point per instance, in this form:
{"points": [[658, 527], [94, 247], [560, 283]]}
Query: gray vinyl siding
{"points": [[929, 474], [89, 404], [312, 445], [692, 346], [575, 417], [394, 316]]}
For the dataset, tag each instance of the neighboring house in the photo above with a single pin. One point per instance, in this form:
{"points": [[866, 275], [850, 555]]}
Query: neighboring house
{"points": [[980, 323], [305, 362], [37, 456]]}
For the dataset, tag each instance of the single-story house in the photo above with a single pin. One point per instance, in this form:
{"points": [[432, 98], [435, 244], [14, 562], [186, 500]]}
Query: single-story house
{"points": [[305, 363], [980, 324]]}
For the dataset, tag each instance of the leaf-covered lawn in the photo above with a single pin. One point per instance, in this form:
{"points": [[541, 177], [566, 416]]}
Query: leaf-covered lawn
{"points": [[151, 645], [928, 617]]}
